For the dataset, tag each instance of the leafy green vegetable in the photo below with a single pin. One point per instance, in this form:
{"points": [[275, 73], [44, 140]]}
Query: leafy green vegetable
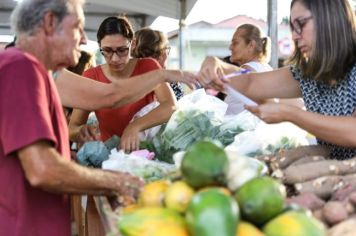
{"points": [[185, 128]]}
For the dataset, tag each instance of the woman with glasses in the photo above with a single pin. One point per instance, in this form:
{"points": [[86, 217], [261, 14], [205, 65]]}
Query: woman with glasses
{"points": [[115, 36], [154, 43], [322, 70]]}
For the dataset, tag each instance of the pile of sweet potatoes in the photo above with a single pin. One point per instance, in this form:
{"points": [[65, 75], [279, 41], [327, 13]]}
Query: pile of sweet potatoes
{"points": [[324, 186]]}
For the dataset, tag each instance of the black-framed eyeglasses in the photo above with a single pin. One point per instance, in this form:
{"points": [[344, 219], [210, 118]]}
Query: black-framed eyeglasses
{"points": [[108, 52], [298, 24]]}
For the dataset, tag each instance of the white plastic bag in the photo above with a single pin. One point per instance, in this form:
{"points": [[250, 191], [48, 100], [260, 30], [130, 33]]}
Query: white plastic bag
{"points": [[268, 139], [198, 99], [139, 166], [151, 132], [243, 169]]}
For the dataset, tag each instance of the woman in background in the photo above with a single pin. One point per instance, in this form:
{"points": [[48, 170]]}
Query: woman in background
{"points": [[251, 50], [154, 43]]}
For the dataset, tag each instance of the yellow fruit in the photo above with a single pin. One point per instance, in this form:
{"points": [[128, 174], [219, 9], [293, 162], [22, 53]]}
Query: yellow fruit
{"points": [[178, 196], [294, 223], [171, 230], [153, 193], [247, 229], [130, 208], [224, 190], [152, 221]]}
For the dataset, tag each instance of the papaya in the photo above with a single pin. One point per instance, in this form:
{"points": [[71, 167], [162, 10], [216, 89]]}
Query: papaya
{"points": [[224, 190], [178, 195], [153, 193], [260, 199], [294, 223], [212, 213], [152, 221], [248, 229], [130, 208], [204, 164]]}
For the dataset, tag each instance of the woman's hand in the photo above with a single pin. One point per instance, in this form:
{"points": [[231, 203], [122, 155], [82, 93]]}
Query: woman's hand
{"points": [[211, 72], [88, 133], [272, 112], [130, 140]]}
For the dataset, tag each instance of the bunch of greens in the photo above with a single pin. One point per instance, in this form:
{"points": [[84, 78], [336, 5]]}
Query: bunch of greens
{"points": [[185, 128]]}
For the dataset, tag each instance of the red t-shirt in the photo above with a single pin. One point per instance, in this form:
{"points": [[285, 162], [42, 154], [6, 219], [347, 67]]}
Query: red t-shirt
{"points": [[30, 110], [114, 121]]}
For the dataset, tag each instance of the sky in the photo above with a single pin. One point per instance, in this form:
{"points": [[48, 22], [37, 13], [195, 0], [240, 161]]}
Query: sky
{"points": [[214, 11]]}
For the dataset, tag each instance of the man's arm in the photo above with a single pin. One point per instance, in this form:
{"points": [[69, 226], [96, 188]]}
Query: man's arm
{"points": [[45, 168], [78, 92]]}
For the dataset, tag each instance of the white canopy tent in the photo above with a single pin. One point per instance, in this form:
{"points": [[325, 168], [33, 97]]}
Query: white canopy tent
{"points": [[141, 12]]}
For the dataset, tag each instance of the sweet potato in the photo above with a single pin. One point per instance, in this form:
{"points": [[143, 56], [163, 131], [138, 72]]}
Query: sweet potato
{"points": [[352, 198], [308, 171], [345, 228], [349, 207], [286, 157], [318, 214], [343, 193], [334, 212], [307, 200]]}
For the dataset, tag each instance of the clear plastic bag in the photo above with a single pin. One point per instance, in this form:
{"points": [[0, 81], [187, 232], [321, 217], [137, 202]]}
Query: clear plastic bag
{"points": [[268, 139], [139, 166], [151, 132]]}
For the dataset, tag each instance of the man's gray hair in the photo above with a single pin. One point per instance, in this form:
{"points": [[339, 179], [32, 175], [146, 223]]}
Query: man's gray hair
{"points": [[28, 15]]}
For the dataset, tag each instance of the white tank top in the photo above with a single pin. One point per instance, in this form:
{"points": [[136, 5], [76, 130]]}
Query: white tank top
{"points": [[236, 106]]}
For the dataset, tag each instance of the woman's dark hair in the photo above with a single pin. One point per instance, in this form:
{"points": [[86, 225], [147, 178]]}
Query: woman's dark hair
{"points": [[85, 62], [334, 50], [149, 43], [115, 25], [263, 44]]}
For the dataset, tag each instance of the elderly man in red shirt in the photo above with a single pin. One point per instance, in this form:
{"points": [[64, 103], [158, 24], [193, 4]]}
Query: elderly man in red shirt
{"points": [[36, 172]]}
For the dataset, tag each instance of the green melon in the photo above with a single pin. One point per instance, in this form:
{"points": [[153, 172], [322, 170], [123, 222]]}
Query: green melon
{"points": [[204, 164]]}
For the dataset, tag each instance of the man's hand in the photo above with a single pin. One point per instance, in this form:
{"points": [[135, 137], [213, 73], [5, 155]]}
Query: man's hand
{"points": [[128, 189]]}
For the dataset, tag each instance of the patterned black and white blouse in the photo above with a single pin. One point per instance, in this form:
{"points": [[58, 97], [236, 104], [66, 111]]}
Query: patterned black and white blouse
{"points": [[339, 100], [177, 89]]}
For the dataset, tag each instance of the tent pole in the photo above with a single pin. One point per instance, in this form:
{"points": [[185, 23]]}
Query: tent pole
{"points": [[273, 31], [183, 11]]}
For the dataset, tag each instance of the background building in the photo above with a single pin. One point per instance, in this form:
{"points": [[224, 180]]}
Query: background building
{"points": [[203, 39]]}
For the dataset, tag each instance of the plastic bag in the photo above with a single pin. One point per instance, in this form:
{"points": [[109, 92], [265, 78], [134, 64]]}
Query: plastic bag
{"points": [[93, 153], [198, 99], [243, 169], [233, 125], [139, 166], [198, 116], [268, 139], [151, 132]]}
